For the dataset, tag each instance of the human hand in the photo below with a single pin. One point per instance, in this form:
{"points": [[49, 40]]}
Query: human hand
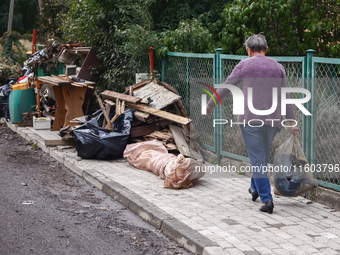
{"points": [[209, 109]]}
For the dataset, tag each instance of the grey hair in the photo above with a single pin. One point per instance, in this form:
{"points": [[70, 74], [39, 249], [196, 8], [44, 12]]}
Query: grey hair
{"points": [[257, 43]]}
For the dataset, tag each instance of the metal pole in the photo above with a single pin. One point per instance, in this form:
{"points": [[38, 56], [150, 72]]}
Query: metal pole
{"points": [[10, 16], [163, 69], [151, 61], [34, 40], [310, 106], [217, 112]]}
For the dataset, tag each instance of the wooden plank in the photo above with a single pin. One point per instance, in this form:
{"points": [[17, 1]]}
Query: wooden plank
{"points": [[107, 94], [163, 135], [141, 116], [180, 109], [91, 63], [61, 110], [191, 133], [137, 85], [58, 142], [168, 87], [180, 141], [108, 101], [160, 96], [108, 106], [88, 84], [74, 98], [160, 113], [163, 122], [195, 150], [54, 81], [106, 116], [143, 130]]}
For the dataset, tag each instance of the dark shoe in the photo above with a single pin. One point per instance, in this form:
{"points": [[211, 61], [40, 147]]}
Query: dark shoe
{"points": [[267, 207], [254, 194]]}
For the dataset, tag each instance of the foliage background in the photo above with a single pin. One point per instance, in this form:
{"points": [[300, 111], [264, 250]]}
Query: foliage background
{"points": [[121, 31], [25, 16]]}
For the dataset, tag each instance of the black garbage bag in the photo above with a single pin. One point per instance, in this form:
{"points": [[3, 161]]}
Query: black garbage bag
{"points": [[4, 95], [95, 142], [291, 175]]}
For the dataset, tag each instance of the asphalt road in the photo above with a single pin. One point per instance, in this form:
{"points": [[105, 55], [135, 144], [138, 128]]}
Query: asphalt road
{"points": [[46, 209]]}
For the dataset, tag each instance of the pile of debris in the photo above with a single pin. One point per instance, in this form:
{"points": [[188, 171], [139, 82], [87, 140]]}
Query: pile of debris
{"points": [[8, 69], [159, 115], [150, 116]]}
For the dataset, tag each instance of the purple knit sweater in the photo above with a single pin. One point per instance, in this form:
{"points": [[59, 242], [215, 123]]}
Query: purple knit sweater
{"points": [[262, 74]]}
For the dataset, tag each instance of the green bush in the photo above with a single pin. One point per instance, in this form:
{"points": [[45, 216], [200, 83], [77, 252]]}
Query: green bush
{"points": [[121, 35], [291, 27], [190, 36], [12, 48], [121, 31]]}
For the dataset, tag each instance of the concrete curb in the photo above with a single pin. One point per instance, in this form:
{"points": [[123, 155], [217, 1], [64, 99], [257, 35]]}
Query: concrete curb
{"points": [[173, 228]]}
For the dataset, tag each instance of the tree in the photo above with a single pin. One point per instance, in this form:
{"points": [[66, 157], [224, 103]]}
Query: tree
{"points": [[50, 10], [168, 14], [25, 17], [120, 32], [291, 26], [190, 36]]}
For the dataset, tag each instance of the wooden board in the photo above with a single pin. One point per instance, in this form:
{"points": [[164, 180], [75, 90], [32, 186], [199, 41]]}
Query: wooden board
{"points": [[159, 113], [141, 116], [90, 64], [54, 81], [143, 130], [74, 98], [107, 94], [180, 109], [58, 142], [160, 96], [180, 141], [61, 110], [88, 84], [163, 135], [168, 87], [138, 85]]}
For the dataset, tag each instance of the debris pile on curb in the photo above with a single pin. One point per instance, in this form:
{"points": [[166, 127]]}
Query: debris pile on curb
{"points": [[159, 115], [160, 124]]}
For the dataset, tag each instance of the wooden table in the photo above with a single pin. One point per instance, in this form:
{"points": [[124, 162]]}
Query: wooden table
{"points": [[69, 96]]}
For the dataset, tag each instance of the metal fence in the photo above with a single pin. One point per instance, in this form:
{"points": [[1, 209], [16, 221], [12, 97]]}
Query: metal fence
{"points": [[320, 133]]}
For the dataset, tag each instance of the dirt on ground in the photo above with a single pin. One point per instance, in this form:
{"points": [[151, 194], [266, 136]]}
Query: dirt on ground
{"points": [[46, 209]]}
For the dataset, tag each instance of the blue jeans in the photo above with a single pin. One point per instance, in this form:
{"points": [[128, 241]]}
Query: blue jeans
{"points": [[258, 141]]}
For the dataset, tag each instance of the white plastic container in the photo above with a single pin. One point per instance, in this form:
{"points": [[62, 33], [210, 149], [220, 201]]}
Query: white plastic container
{"points": [[41, 123], [142, 76]]}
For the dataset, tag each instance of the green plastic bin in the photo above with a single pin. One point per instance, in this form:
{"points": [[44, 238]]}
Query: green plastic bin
{"points": [[20, 101]]}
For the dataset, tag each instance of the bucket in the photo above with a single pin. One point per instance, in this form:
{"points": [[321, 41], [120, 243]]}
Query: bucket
{"points": [[18, 86], [20, 101]]}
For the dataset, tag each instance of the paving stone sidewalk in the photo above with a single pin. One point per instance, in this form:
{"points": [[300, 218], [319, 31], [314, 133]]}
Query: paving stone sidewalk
{"points": [[216, 216]]}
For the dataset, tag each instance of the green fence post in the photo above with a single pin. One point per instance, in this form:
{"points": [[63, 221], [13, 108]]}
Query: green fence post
{"points": [[305, 120], [308, 131], [218, 111], [163, 69], [187, 82]]}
